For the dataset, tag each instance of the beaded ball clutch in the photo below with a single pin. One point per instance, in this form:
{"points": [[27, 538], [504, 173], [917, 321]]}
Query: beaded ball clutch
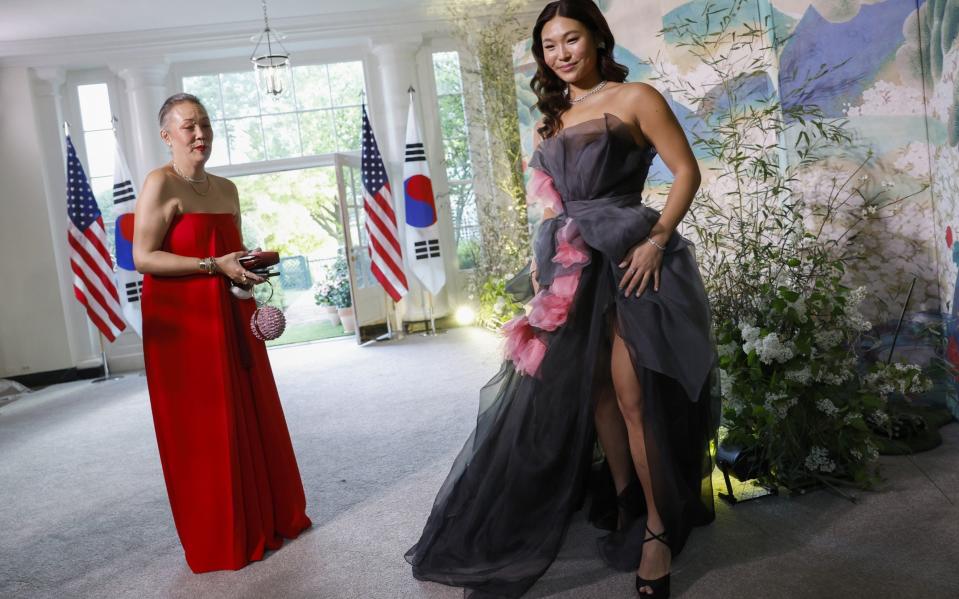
{"points": [[267, 322]]}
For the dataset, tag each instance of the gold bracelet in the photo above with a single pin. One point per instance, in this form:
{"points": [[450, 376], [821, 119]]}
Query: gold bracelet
{"points": [[208, 265]]}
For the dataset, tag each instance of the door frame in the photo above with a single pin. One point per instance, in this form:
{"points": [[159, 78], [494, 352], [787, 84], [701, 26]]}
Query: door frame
{"points": [[370, 306]]}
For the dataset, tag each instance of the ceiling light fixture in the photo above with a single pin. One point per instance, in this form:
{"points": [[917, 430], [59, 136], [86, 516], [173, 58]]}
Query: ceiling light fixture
{"points": [[272, 69]]}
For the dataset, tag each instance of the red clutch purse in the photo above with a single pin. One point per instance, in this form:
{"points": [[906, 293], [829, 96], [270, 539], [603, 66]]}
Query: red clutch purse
{"points": [[260, 260]]}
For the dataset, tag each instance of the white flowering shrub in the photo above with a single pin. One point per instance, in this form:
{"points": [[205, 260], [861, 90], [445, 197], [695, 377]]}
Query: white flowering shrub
{"points": [[792, 385], [774, 262]]}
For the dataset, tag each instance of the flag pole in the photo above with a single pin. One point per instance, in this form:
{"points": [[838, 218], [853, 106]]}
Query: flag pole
{"points": [[106, 365], [428, 303], [387, 302]]}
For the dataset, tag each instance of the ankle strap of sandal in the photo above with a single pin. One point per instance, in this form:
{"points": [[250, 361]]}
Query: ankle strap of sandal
{"points": [[661, 537]]}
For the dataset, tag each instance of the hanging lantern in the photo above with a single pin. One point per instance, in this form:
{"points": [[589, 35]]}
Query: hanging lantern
{"points": [[271, 64]]}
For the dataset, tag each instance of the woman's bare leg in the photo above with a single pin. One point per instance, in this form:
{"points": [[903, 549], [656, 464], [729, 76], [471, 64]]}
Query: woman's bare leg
{"points": [[656, 556]]}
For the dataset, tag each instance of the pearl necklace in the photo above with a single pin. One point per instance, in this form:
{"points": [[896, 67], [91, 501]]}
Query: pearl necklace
{"points": [[589, 93], [192, 181], [185, 178]]}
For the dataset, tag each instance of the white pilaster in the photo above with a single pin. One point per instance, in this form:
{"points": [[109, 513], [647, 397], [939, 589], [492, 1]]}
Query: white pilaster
{"points": [[396, 62], [81, 336], [146, 89]]}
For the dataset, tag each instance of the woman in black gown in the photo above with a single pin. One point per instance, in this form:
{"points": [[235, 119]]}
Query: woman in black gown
{"points": [[616, 344]]}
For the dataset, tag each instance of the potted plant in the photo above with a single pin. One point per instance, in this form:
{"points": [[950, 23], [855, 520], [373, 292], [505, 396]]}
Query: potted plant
{"points": [[323, 294], [341, 296]]}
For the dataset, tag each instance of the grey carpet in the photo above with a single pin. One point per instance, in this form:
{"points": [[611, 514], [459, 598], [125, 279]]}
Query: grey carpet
{"points": [[83, 510]]}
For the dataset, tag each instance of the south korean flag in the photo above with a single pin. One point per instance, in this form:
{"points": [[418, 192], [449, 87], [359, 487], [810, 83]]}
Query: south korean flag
{"points": [[129, 281], [422, 233]]}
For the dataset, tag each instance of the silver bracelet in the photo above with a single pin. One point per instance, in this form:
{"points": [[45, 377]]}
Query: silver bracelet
{"points": [[661, 248]]}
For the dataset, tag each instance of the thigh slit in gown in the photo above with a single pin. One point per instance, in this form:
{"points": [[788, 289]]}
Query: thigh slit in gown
{"points": [[231, 475], [499, 518]]}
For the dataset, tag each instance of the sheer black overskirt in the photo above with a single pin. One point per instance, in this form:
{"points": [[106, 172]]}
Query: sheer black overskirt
{"points": [[499, 519]]}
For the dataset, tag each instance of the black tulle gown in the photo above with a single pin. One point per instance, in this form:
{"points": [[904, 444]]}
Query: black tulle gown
{"points": [[500, 517]]}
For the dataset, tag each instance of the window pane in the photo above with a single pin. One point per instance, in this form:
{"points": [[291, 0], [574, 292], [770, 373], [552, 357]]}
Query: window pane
{"points": [[446, 68], [282, 137], [239, 94], [465, 224], [346, 83], [455, 140], [207, 88], [95, 106], [312, 87], [246, 140], [103, 191], [282, 103], [463, 206], [319, 136], [99, 146], [348, 125], [219, 156]]}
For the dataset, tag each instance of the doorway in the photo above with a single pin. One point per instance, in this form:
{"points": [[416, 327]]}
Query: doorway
{"points": [[312, 214]]}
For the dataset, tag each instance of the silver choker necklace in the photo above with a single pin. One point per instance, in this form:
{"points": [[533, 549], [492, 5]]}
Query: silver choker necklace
{"points": [[589, 93]]}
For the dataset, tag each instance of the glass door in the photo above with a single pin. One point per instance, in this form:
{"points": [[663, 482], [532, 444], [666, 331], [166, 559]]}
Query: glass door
{"points": [[297, 213], [370, 302]]}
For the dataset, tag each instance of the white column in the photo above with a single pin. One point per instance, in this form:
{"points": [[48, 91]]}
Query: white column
{"points": [[81, 335], [396, 61], [146, 90], [397, 70]]}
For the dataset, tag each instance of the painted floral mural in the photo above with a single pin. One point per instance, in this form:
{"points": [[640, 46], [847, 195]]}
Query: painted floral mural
{"points": [[900, 106]]}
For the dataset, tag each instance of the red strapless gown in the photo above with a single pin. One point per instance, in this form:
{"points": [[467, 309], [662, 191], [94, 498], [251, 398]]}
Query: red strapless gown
{"points": [[229, 467]]}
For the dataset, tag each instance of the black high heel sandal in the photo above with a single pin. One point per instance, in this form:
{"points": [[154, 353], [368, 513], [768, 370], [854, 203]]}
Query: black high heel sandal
{"points": [[660, 586]]}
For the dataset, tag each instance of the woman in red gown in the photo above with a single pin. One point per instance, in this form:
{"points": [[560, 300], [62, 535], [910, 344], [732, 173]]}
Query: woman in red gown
{"points": [[231, 475]]}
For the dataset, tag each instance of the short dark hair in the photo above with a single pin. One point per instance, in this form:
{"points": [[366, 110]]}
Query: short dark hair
{"points": [[173, 101]]}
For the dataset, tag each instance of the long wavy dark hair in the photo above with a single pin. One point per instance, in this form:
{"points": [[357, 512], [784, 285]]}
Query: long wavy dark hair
{"points": [[548, 87]]}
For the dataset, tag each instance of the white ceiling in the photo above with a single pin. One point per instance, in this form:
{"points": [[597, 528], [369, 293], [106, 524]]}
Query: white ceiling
{"points": [[35, 19]]}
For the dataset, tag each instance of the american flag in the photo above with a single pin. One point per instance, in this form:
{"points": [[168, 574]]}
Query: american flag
{"points": [[385, 253], [89, 258]]}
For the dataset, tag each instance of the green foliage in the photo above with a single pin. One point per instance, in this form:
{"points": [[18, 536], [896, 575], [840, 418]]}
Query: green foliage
{"points": [[774, 261], [468, 253], [497, 306], [292, 212], [489, 30]]}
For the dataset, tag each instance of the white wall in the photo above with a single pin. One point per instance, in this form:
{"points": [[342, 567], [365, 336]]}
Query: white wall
{"points": [[33, 334]]}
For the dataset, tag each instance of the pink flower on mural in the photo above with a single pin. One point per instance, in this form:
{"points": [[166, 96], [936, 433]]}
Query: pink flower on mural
{"points": [[540, 190]]}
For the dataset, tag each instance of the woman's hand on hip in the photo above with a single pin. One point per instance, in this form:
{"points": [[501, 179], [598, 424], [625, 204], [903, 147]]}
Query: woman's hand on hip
{"points": [[229, 265], [642, 264]]}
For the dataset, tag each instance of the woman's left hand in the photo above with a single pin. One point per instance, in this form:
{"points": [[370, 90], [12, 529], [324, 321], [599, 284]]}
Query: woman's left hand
{"points": [[642, 264]]}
